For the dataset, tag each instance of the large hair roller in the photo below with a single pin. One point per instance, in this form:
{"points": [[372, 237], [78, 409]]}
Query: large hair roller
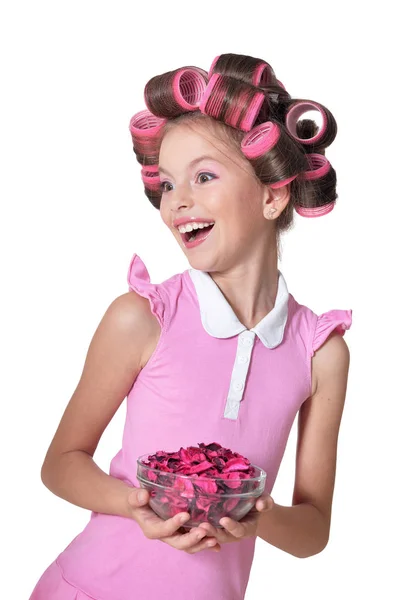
{"points": [[152, 184], [150, 177], [253, 71], [319, 167], [323, 175], [175, 92], [327, 132], [146, 130], [260, 140], [316, 211], [212, 67], [232, 101]]}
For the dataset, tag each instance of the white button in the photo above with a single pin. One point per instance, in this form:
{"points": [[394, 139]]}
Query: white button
{"points": [[242, 359], [247, 342], [238, 386]]}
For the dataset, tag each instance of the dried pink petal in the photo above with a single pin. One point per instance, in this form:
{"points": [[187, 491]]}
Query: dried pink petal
{"points": [[229, 504], [208, 487], [203, 466], [235, 464], [204, 503]]}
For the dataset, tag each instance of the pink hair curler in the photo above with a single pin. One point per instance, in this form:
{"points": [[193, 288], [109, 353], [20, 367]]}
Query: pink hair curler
{"points": [[263, 74], [319, 167], [317, 211], [150, 169], [214, 102], [260, 139], [258, 71], [210, 73], [296, 111], [145, 124], [280, 184], [150, 177], [188, 88], [199, 70], [175, 92]]}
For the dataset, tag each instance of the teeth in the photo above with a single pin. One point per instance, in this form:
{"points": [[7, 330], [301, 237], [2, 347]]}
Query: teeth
{"points": [[191, 226]]}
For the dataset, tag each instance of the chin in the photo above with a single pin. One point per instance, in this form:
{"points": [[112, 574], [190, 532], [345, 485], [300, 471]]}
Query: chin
{"points": [[201, 263]]}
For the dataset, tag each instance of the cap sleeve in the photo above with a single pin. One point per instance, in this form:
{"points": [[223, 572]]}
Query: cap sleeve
{"points": [[333, 320], [139, 281]]}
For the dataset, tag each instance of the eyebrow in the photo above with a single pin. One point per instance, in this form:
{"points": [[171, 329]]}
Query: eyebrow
{"points": [[191, 164]]}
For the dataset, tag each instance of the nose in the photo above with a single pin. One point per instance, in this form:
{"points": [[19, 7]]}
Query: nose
{"points": [[182, 197]]}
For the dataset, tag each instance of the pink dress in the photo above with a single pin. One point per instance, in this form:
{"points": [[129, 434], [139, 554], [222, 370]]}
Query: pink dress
{"points": [[209, 379]]}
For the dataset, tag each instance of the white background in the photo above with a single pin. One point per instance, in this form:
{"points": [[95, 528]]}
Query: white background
{"points": [[73, 213]]}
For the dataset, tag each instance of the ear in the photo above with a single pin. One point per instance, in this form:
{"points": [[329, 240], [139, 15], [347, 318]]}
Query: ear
{"points": [[275, 200]]}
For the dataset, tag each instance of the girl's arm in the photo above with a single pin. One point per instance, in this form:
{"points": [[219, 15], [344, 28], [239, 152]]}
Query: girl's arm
{"points": [[121, 346], [303, 529]]}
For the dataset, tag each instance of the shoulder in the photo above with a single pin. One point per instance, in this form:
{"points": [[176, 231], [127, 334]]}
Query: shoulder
{"points": [[329, 351], [130, 318], [330, 363], [131, 310]]}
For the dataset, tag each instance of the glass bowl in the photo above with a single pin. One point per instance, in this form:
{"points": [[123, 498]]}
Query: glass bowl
{"points": [[206, 499]]}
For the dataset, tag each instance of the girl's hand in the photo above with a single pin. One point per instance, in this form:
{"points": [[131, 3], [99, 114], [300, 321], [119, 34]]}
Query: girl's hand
{"points": [[234, 531], [170, 531]]}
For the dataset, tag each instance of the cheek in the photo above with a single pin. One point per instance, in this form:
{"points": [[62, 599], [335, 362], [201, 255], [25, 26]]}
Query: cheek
{"points": [[242, 220], [163, 213], [218, 201]]}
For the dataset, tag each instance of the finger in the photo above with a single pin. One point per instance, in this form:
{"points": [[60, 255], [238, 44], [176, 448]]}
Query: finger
{"points": [[197, 540], [235, 528], [210, 529], [206, 544], [186, 541], [219, 533], [156, 528], [138, 497], [264, 503]]}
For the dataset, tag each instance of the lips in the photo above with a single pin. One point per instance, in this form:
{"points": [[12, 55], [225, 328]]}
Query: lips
{"points": [[200, 236], [186, 220]]}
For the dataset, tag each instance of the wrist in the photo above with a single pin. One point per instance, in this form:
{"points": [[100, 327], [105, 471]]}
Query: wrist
{"points": [[122, 506]]}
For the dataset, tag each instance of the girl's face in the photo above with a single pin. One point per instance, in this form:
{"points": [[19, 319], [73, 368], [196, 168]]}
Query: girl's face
{"points": [[203, 178]]}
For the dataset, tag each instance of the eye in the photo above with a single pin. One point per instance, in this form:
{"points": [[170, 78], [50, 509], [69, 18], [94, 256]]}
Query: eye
{"points": [[163, 184], [205, 175]]}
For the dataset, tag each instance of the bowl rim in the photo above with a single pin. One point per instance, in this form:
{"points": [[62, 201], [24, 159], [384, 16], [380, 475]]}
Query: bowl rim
{"points": [[207, 494], [261, 477]]}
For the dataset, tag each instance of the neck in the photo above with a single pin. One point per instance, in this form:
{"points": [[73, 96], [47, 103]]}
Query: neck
{"points": [[251, 285]]}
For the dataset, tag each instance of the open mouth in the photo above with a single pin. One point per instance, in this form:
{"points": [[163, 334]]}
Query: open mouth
{"points": [[197, 234]]}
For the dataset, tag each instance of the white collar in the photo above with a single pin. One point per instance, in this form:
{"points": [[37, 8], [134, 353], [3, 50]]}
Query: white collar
{"points": [[219, 319]]}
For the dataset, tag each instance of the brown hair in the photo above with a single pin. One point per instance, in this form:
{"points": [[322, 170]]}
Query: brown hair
{"points": [[291, 156]]}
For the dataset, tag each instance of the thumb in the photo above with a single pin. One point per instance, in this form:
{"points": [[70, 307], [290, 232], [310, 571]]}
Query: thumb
{"points": [[137, 497], [265, 503]]}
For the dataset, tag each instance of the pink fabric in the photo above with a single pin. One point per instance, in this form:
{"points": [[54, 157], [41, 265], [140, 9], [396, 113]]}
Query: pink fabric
{"points": [[178, 400], [333, 320], [53, 586]]}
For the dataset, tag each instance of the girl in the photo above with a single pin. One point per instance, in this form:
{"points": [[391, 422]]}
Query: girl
{"points": [[221, 352]]}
